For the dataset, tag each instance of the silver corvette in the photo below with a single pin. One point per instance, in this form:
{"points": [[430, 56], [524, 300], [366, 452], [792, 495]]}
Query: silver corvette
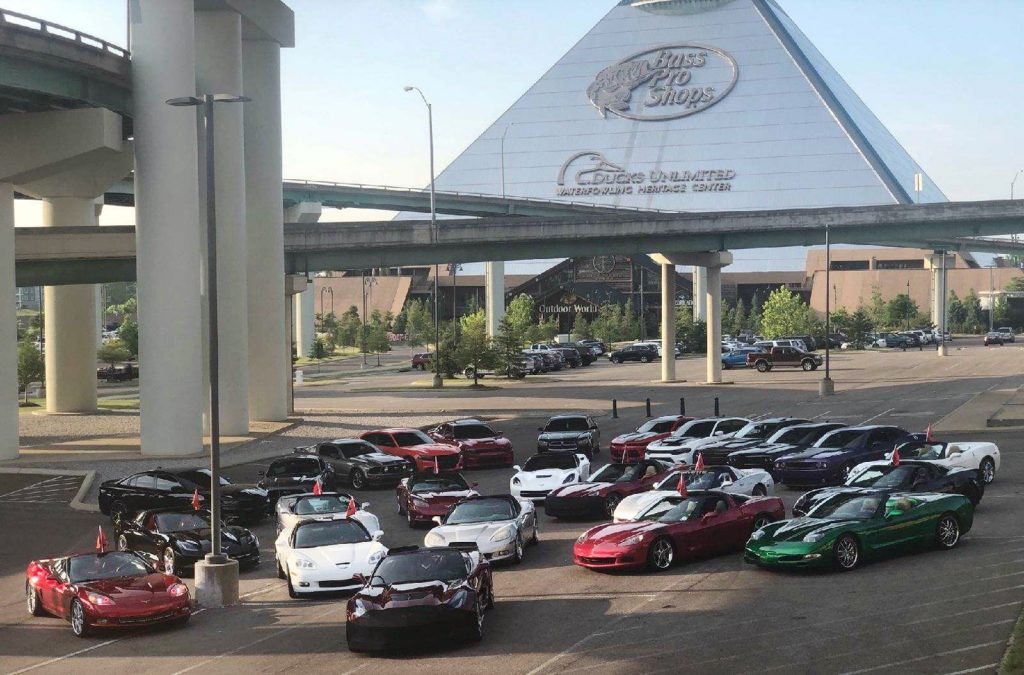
{"points": [[498, 526]]}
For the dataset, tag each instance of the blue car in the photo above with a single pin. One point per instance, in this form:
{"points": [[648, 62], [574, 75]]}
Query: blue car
{"points": [[737, 358], [829, 461]]}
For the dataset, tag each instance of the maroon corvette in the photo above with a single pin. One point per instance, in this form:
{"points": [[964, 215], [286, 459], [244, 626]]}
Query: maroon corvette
{"points": [[678, 527], [635, 443], [480, 444], [425, 495], [116, 589], [602, 493]]}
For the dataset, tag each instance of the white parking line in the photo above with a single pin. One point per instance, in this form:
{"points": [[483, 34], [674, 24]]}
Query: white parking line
{"points": [[988, 666], [925, 658], [58, 659], [881, 414]]}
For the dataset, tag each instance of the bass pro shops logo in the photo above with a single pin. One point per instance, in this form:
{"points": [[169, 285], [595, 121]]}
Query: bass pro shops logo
{"points": [[664, 83]]}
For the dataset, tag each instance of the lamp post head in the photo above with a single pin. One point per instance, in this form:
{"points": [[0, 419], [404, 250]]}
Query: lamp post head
{"points": [[200, 100], [408, 88]]}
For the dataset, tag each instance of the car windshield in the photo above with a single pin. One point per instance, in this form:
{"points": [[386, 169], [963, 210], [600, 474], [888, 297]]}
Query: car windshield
{"points": [[480, 511], [406, 438], [884, 476], [554, 460], [757, 430], [320, 504], [567, 424], [658, 426], [839, 439], [295, 467], [789, 435], [473, 431], [93, 567], [423, 565], [922, 450], [355, 448], [201, 477], [704, 480], [683, 509], [843, 506], [331, 533], [181, 522], [618, 473], [451, 483]]}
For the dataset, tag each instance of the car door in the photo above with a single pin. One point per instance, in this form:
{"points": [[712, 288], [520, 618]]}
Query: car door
{"points": [[133, 533], [595, 433], [899, 528], [727, 528], [333, 455], [144, 494], [168, 491]]}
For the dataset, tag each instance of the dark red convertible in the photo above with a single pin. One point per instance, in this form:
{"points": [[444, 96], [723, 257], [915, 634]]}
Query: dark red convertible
{"points": [[678, 527], [602, 493], [425, 495]]}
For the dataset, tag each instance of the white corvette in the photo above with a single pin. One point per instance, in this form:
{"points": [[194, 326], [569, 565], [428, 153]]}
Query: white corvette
{"points": [[679, 447], [292, 509], [975, 455], [725, 478], [498, 526], [326, 554], [545, 472]]}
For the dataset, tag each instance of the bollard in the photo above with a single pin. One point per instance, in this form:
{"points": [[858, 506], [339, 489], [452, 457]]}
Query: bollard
{"points": [[716, 406], [682, 406], [615, 409], [648, 407]]}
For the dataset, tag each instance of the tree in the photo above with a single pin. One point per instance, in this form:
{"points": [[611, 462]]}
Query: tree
{"points": [[113, 351], [739, 319], [474, 346], [398, 326], [508, 345], [128, 331], [974, 318], [348, 328], [956, 313], [377, 334], [1000, 311], [581, 328], [859, 326], [548, 329], [900, 311], [785, 314], [318, 350], [689, 333], [1016, 284], [520, 312], [31, 366], [419, 324], [840, 321], [629, 327], [877, 309]]}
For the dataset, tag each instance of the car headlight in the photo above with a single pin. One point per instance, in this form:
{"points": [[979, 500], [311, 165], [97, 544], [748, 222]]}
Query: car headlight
{"points": [[585, 440], [571, 478], [503, 534], [358, 608], [304, 563], [375, 557], [433, 539], [822, 465], [580, 539], [542, 443], [814, 536], [516, 481], [632, 541], [780, 465], [97, 599], [757, 534], [177, 590], [186, 545]]}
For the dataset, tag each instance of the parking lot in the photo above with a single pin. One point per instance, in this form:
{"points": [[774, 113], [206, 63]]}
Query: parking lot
{"points": [[931, 612]]}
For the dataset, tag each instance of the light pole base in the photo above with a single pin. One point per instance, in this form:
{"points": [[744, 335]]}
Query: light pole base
{"points": [[826, 387], [942, 349], [216, 582], [438, 382]]}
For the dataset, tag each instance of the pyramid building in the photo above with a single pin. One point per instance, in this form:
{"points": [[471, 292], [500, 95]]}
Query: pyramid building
{"points": [[692, 105]]}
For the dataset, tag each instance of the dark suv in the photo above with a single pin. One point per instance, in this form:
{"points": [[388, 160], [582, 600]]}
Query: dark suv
{"points": [[643, 353], [570, 433]]}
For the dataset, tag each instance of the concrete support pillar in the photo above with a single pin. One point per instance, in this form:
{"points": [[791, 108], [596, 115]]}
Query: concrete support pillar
{"points": [[304, 315], [8, 329], [218, 36], [269, 350], [668, 323], [167, 230], [494, 295], [70, 326], [940, 295], [700, 282], [713, 299]]}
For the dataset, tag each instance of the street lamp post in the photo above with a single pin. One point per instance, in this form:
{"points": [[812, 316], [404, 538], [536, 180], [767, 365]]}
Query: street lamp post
{"points": [[1014, 181], [908, 304], [438, 381], [329, 291], [362, 337], [207, 101], [827, 387], [503, 134]]}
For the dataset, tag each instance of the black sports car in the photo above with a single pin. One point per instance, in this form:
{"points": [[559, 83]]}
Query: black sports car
{"points": [[753, 435], [783, 442], [908, 476], [359, 463], [174, 488], [297, 474], [570, 433], [179, 538], [419, 596]]}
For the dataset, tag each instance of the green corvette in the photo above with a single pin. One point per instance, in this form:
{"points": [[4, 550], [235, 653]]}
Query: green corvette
{"points": [[849, 527]]}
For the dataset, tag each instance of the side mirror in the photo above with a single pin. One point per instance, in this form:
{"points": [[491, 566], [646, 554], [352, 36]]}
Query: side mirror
{"points": [[515, 468], [378, 535], [364, 506], [718, 433], [540, 428], [726, 481], [437, 519]]}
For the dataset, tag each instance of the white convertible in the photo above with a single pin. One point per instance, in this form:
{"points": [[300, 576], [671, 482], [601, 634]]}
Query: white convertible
{"points": [[498, 526], [724, 478], [679, 447], [975, 455], [293, 509], [326, 554], [547, 471]]}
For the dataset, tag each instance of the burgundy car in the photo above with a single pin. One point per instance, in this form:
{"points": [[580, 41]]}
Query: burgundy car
{"points": [[702, 523], [602, 493], [425, 495], [423, 361], [480, 444], [421, 451], [635, 442]]}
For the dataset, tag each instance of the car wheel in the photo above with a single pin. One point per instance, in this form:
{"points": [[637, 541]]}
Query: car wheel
{"points": [[807, 365], [762, 520], [760, 490], [291, 588], [727, 366], [122, 543], [660, 554], [78, 625], [517, 552], [358, 479], [535, 539], [409, 519], [169, 561], [478, 626], [762, 366], [32, 603], [645, 359], [614, 359], [401, 509], [118, 512], [947, 533], [846, 552], [490, 596], [280, 571], [988, 470], [610, 502]]}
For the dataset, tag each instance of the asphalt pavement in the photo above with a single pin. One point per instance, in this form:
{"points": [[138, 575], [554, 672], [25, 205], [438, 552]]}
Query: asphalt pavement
{"points": [[929, 612]]}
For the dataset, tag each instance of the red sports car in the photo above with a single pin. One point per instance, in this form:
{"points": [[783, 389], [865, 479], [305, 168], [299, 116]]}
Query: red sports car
{"points": [[605, 489], [704, 522], [119, 589], [421, 450], [425, 495], [480, 444], [635, 442]]}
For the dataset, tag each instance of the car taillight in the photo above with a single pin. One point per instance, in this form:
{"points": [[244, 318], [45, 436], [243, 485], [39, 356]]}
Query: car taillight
{"points": [[177, 590]]}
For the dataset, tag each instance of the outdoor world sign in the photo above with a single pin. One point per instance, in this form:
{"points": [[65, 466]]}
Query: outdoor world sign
{"points": [[664, 83]]}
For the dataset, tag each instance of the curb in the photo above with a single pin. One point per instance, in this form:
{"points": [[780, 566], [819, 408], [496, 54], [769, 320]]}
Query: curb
{"points": [[78, 502]]}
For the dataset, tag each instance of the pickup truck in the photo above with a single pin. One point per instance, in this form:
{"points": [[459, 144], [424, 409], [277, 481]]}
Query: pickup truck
{"points": [[783, 356]]}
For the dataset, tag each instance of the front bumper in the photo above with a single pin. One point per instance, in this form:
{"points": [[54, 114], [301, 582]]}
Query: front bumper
{"points": [[493, 551], [574, 507], [114, 616], [325, 580], [426, 464], [246, 557], [423, 513], [604, 557], [807, 477], [408, 627], [763, 462], [488, 457], [793, 555]]}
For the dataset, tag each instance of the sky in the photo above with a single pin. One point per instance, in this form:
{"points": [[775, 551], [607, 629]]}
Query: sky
{"points": [[943, 75]]}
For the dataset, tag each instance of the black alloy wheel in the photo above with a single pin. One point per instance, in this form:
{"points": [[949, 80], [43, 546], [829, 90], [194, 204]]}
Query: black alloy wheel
{"points": [[118, 512], [122, 543], [280, 571], [762, 366], [478, 625], [645, 359], [409, 519], [762, 520], [170, 560], [807, 365], [291, 588], [517, 552], [615, 359], [760, 490], [358, 479]]}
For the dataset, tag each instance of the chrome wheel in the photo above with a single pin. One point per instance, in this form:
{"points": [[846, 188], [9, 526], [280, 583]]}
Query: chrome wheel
{"points": [[77, 619], [122, 543], [847, 552], [612, 501], [761, 521], [519, 549], [988, 470], [948, 532], [168, 559], [32, 601], [478, 634], [358, 479], [661, 554], [118, 512]]}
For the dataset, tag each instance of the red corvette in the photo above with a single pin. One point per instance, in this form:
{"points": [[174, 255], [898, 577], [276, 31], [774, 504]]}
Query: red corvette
{"points": [[415, 446], [118, 589], [635, 442], [425, 495], [705, 522], [605, 489], [480, 444]]}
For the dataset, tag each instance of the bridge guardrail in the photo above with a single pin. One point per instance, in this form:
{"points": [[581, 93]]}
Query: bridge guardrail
{"points": [[63, 32]]}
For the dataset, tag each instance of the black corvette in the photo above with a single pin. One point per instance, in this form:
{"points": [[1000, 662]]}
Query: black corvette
{"points": [[174, 488], [359, 463], [179, 538], [908, 476], [754, 434], [297, 474]]}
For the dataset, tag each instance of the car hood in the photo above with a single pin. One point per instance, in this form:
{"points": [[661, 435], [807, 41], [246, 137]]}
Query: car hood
{"points": [[201, 537], [638, 437], [340, 554], [439, 498], [417, 594], [241, 491], [376, 458], [582, 490], [767, 449], [670, 442], [816, 453], [128, 590], [630, 507], [470, 531], [434, 449], [613, 533], [798, 528], [493, 442], [544, 477], [562, 435]]}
